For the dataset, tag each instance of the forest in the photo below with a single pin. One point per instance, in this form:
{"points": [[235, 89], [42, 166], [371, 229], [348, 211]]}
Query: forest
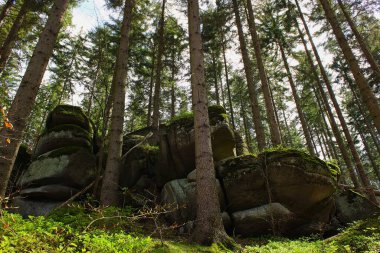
{"points": [[190, 126]]}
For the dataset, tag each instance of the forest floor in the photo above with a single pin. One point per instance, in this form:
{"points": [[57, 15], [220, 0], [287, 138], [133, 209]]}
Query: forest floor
{"points": [[88, 229]]}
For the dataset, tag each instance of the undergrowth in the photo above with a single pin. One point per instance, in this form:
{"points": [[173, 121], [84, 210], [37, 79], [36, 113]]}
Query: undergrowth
{"points": [[79, 229]]}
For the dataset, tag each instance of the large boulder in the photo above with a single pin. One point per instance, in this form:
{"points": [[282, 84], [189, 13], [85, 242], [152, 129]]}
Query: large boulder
{"points": [[352, 206], [68, 114], [69, 166], [63, 136], [300, 184], [177, 144], [180, 196]]}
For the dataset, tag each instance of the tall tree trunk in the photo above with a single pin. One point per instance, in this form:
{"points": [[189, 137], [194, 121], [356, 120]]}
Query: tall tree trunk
{"points": [[209, 226], [259, 128], [363, 45], [246, 129], [24, 100], [366, 93], [109, 193], [359, 166], [157, 86], [172, 89], [289, 138], [6, 48], [4, 12], [296, 100], [367, 122], [334, 126], [368, 152], [227, 80], [275, 112], [151, 83], [273, 124], [215, 68]]}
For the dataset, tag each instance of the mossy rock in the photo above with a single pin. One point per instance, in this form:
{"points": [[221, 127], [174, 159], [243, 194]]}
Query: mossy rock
{"points": [[129, 141], [63, 136], [186, 120], [68, 114], [69, 166], [297, 182], [21, 163]]}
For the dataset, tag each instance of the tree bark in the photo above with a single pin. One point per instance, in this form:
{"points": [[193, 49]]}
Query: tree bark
{"points": [[157, 87], [363, 45], [259, 128], [227, 82], [296, 100], [365, 91], [6, 48], [209, 226], [333, 123], [215, 68], [359, 166], [109, 192], [273, 124], [148, 120], [4, 12], [172, 88], [24, 100]]}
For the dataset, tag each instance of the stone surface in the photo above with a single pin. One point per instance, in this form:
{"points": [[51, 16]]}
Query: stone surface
{"points": [[181, 194], [65, 135], [51, 192], [352, 206], [68, 114], [70, 167], [27, 207]]}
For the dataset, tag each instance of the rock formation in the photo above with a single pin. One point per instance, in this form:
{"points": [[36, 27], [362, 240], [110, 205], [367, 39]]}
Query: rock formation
{"points": [[280, 191]]}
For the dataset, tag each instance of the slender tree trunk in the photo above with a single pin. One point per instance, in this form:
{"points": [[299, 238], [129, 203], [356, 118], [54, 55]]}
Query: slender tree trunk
{"points": [[209, 226], [320, 143], [157, 86], [333, 123], [368, 123], [151, 86], [259, 128], [227, 82], [110, 187], [172, 89], [289, 138], [273, 125], [24, 100], [368, 152], [334, 126], [6, 48], [246, 130], [296, 100], [363, 45], [275, 112], [359, 166], [4, 12], [215, 68], [366, 93]]}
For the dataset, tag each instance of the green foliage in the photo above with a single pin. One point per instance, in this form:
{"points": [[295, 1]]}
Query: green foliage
{"points": [[80, 229]]}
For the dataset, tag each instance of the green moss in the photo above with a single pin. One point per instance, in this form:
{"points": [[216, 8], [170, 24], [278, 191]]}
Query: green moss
{"points": [[87, 229], [74, 111], [150, 148], [216, 113], [60, 151], [75, 129], [185, 119]]}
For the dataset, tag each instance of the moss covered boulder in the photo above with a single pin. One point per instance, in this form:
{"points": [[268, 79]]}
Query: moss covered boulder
{"points": [[179, 196], [63, 136], [68, 114], [352, 206], [178, 147], [302, 184], [69, 166]]}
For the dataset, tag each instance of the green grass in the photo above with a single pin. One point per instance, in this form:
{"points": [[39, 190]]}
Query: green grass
{"points": [[78, 229]]}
